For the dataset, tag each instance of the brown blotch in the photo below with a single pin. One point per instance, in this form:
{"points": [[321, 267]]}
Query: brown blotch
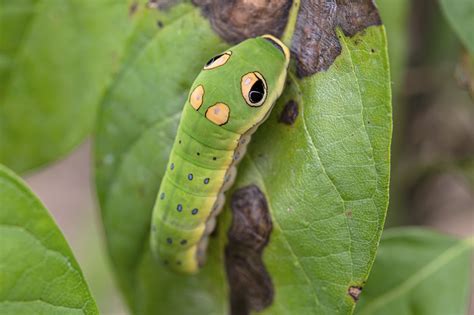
{"points": [[354, 292], [236, 20], [251, 288], [289, 113], [315, 43], [133, 8]]}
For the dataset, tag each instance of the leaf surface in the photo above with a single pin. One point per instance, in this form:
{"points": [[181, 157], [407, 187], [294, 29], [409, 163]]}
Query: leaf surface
{"points": [[56, 58], [325, 176], [38, 272], [418, 272]]}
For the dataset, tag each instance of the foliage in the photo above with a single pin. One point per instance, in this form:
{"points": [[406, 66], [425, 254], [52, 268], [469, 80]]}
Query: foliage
{"points": [[324, 173], [38, 272]]}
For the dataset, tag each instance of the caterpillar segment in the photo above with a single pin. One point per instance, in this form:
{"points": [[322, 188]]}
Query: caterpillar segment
{"points": [[230, 98]]}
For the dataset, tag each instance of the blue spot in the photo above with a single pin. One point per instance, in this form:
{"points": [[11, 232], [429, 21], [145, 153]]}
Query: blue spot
{"points": [[172, 166], [169, 240], [195, 211], [162, 196], [179, 207], [206, 181], [190, 176]]}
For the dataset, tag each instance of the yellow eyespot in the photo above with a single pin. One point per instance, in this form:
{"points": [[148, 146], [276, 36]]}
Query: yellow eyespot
{"points": [[254, 89], [218, 113], [217, 61], [197, 97]]}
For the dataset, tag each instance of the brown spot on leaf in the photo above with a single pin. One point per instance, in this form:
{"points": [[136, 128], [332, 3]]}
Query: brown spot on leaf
{"points": [[315, 43], [354, 292], [289, 113], [236, 20], [133, 8], [251, 288]]}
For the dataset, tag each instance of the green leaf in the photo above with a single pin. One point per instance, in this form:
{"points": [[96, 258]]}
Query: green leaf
{"points": [[56, 58], [418, 272], [136, 128], [38, 272], [325, 177], [460, 14]]}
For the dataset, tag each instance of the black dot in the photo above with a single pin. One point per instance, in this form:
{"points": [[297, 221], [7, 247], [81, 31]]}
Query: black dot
{"points": [[206, 181], [159, 24], [198, 153], [162, 196], [183, 242], [214, 158], [169, 240], [179, 207], [172, 166], [195, 211], [179, 141], [190, 176]]}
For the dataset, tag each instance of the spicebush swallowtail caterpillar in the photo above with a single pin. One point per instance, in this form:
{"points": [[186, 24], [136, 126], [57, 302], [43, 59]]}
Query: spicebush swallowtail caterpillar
{"points": [[230, 98]]}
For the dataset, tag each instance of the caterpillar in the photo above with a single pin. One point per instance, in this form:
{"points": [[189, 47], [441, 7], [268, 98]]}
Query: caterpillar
{"points": [[233, 94]]}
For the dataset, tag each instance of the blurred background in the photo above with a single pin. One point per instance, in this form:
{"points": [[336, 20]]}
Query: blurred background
{"points": [[432, 152]]}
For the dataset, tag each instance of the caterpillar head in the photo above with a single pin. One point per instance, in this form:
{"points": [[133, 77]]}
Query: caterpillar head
{"points": [[237, 88]]}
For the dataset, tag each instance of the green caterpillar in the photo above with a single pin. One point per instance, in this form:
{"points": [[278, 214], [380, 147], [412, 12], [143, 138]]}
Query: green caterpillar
{"points": [[229, 99]]}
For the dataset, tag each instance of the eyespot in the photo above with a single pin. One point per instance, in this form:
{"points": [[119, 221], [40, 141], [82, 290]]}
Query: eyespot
{"points": [[196, 97], [254, 89], [218, 113], [217, 61]]}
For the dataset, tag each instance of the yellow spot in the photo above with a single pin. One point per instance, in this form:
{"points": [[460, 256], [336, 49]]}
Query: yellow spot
{"points": [[247, 83], [218, 61], [218, 113], [197, 97], [285, 49]]}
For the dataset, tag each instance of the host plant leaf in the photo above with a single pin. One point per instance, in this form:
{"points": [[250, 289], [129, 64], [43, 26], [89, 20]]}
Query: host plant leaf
{"points": [[38, 272], [56, 58], [460, 15], [418, 272], [137, 123], [322, 163], [326, 178]]}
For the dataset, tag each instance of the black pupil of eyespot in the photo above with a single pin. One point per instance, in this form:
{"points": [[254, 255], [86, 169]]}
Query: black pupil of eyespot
{"points": [[257, 92], [211, 61]]}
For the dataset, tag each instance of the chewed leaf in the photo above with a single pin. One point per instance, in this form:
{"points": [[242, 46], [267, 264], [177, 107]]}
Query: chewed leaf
{"points": [[39, 274], [325, 177], [418, 271], [320, 162]]}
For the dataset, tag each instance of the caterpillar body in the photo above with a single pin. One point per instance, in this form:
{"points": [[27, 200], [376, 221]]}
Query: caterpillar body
{"points": [[230, 98]]}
